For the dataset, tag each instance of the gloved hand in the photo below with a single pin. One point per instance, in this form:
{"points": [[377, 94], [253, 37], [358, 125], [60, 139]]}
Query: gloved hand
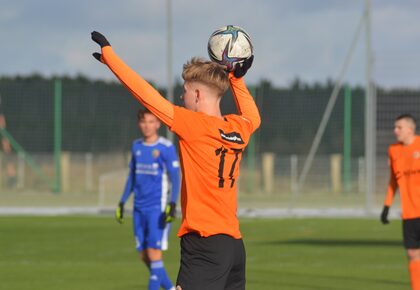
{"points": [[119, 213], [384, 215], [170, 212], [102, 41], [99, 39], [242, 67]]}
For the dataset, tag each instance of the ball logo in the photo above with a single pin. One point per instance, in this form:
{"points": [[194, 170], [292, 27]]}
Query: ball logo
{"points": [[138, 153], [155, 153], [229, 45], [416, 154]]}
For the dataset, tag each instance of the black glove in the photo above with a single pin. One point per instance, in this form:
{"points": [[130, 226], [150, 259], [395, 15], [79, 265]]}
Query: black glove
{"points": [[119, 213], [99, 39], [170, 212], [98, 56], [384, 215], [102, 41], [242, 67]]}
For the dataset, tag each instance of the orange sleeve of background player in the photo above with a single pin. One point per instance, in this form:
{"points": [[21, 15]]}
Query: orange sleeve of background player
{"points": [[138, 87], [392, 188], [392, 184], [244, 102]]}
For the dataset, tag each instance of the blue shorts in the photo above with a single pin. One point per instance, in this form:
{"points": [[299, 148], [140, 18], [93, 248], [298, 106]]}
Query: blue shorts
{"points": [[150, 230]]}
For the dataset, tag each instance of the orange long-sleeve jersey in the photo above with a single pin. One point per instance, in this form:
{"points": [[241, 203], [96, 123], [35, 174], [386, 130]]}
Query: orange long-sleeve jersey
{"points": [[210, 151], [404, 162]]}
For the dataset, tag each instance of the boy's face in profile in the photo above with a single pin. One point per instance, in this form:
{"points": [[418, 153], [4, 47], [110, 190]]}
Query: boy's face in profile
{"points": [[403, 130]]}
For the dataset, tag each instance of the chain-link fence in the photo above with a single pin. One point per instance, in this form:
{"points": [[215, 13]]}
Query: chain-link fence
{"points": [[86, 153]]}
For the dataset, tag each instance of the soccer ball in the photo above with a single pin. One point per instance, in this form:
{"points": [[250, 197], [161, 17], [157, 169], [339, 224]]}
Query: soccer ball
{"points": [[229, 45]]}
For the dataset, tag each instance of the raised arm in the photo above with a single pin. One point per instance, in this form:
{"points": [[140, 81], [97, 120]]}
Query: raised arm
{"points": [[137, 86], [245, 102]]}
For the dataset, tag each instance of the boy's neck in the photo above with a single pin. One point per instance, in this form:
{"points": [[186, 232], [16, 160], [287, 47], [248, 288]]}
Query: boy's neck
{"points": [[151, 139], [211, 106], [215, 112]]}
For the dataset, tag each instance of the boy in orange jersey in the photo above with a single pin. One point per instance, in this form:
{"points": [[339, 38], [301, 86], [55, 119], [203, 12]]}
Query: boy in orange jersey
{"points": [[211, 146], [404, 161]]}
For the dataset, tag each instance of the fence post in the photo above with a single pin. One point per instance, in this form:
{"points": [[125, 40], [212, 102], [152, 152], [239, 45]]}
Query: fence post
{"points": [[347, 139], [335, 162], [21, 171], [57, 134], [251, 156], [101, 202], [294, 174], [65, 171], [88, 172], [268, 171], [361, 174]]}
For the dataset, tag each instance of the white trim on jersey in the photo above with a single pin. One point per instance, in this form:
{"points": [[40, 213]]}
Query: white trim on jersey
{"points": [[175, 164], [165, 235], [150, 144], [165, 188], [164, 141], [160, 140], [164, 198]]}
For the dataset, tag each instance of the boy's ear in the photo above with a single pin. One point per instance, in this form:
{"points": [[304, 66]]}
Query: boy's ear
{"points": [[197, 95]]}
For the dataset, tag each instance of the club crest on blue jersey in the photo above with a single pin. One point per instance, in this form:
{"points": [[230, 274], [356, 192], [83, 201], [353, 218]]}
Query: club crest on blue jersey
{"points": [[156, 153]]}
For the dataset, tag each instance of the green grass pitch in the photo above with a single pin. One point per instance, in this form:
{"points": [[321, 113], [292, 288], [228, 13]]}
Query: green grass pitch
{"points": [[92, 253]]}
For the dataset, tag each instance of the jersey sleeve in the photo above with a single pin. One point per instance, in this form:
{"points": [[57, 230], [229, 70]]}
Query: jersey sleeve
{"points": [[138, 87], [187, 124], [245, 103], [130, 181], [172, 167], [392, 184]]}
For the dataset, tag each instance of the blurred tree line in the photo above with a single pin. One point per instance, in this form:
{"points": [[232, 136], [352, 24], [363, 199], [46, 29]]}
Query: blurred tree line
{"points": [[100, 116]]}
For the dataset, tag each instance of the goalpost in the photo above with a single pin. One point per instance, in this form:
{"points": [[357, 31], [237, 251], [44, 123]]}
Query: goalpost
{"points": [[110, 187]]}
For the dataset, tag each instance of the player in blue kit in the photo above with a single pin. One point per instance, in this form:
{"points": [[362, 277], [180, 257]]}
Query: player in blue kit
{"points": [[153, 159]]}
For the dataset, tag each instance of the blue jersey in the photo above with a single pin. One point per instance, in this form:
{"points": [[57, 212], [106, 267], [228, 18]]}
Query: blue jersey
{"points": [[149, 168]]}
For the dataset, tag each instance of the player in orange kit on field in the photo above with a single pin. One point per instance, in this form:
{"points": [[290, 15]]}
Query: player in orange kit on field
{"points": [[404, 161], [211, 146]]}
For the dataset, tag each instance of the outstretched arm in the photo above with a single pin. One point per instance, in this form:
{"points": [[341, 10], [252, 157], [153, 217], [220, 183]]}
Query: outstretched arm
{"points": [[137, 86], [245, 102], [243, 99]]}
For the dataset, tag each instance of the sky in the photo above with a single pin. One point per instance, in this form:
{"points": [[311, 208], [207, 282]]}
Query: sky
{"points": [[308, 39]]}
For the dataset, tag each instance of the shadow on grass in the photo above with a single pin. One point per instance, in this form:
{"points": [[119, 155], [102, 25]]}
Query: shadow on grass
{"points": [[288, 285], [309, 281], [337, 243]]}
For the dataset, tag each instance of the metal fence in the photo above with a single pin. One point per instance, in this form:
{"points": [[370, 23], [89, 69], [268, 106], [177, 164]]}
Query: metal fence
{"points": [[98, 125]]}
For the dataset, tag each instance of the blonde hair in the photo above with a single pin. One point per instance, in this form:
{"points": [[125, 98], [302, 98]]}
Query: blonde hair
{"points": [[208, 73]]}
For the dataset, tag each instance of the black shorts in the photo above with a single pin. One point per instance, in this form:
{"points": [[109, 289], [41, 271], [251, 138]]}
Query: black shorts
{"points": [[411, 233], [213, 263]]}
